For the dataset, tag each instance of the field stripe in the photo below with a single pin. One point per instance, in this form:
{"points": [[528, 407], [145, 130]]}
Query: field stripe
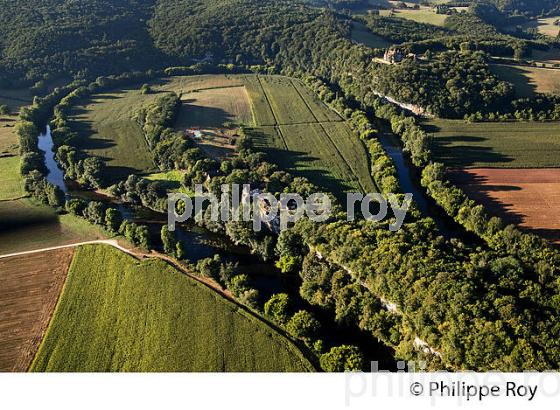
{"points": [[281, 135], [268, 101]]}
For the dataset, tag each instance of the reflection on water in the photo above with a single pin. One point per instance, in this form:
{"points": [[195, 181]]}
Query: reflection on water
{"points": [[55, 175]]}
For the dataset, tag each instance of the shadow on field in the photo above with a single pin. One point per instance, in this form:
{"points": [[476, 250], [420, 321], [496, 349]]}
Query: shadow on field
{"points": [[462, 151], [524, 85], [475, 188], [199, 116], [291, 161]]}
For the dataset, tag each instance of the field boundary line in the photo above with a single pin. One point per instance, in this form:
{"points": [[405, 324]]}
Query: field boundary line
{"points": [[214, 88], [110, 242], [356, 176], [276, 122], [281, 135]]}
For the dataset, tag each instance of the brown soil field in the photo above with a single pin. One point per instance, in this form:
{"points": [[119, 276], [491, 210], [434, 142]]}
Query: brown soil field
{"points": [[529, 198], [31, 285]]}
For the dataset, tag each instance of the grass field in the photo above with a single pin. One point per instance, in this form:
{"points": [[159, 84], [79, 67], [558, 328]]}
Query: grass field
{"points": [[545, 26], [215, 107], [424, 14], [11, 186], [26, 226], [118, 314], [304, 136], [15, 98], [362, 35], [31, 285], [496, 145], [529, 80], [171, 180]]}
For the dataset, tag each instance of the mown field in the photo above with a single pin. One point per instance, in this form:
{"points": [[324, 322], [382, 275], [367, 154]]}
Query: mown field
{"points": [[11, 186], [529, 198], [31, 285], [303, 135], [10, 178], [529, 80], [496, 145], [545, 26], [15, 98], [120, 315]]}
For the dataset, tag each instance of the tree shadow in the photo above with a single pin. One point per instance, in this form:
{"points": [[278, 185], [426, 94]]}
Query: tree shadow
{"points": [[476, 188], [193, 115], [461, 152], [524, 85], [292, 161]]}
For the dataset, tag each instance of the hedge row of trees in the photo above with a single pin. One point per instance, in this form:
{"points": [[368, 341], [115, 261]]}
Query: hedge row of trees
{"points": [[110, 219]]}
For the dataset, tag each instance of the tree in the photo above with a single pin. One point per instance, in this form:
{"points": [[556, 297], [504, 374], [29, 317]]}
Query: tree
{"points": [[210, 267], [180, 250], [113, 219], [4, 109], [343, 358], [277, 308], [289, 249], [76, 206], [95, 212], [142, 237], [93, 169], [239, 284], [27, 132], [55, 196], [32, 161], [168, 239], [145, 89], [303, 325]]}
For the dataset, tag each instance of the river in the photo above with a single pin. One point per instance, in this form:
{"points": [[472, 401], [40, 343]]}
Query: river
{"points": [[55, 175], [201, 243], [409, 184]]}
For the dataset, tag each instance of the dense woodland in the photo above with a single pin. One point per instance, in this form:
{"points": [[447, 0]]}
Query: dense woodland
{"points": [[493, 305]]}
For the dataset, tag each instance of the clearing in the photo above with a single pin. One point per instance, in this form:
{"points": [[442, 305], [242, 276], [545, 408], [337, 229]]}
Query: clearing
{"points": [[496, 144], [10, 178], [11, 186], [362, 35], [119, 314], [31, 285], [529, 80], [105, 122], [529, 198]]}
